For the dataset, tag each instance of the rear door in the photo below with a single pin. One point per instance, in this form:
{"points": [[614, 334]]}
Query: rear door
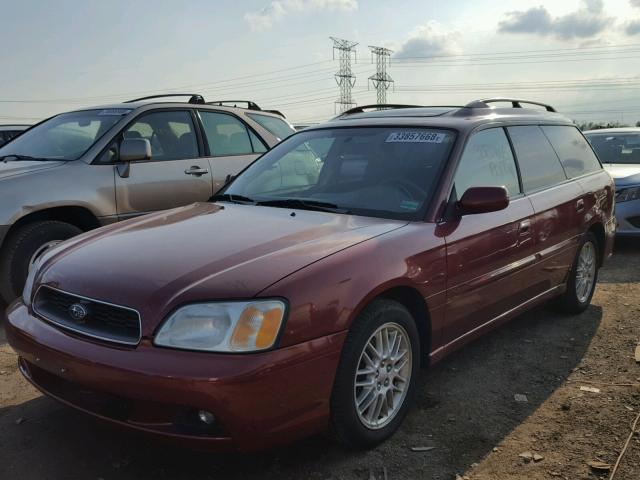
{"points": [[488, 255], [175, 175], [558, 204], [229, 145]]}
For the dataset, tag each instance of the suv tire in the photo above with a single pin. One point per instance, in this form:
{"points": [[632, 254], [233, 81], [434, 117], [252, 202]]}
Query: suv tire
{"points": [[19, 248], [348, 423], [578, 295]]}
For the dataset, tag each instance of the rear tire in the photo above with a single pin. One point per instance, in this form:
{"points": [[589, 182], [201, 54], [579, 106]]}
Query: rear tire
{"points": [[22, 246], [583, 277], [367, 408]]}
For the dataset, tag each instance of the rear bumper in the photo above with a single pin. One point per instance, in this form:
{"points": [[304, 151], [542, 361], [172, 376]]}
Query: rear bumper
{"points": [[259, 400], [628, 214]]}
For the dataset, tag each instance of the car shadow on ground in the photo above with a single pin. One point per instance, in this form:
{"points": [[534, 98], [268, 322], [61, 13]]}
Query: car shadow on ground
{"points": [[464, 407]]}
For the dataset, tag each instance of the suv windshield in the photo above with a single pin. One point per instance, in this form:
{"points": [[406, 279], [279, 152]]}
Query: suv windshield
{"points": [[616, 147], [380, 172], [63, 137]]}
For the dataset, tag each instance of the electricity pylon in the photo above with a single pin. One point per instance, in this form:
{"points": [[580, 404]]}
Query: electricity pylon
{"points": [[381, 80], [344, 77]]}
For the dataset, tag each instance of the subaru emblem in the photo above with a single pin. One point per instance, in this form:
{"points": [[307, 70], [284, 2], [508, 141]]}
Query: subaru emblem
{"points": [[78, 312]]}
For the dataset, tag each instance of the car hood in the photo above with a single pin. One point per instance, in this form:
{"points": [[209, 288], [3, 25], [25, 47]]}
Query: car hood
{"points": [[620, 171], [20, 167], [201, 252]]}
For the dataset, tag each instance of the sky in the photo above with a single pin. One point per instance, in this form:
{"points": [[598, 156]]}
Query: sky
{"points": [[581, 56]]}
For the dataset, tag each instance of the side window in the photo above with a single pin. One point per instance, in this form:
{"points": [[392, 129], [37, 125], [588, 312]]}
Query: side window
{"points": [[226, 135], [576, 155], [171, 134], [258, 145], [276, 126], [487, 161], [539, 164]]}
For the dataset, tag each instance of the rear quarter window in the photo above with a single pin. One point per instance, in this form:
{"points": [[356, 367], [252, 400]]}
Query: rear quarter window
{"points": [[273, 125], [539, 165], [574, 152]]}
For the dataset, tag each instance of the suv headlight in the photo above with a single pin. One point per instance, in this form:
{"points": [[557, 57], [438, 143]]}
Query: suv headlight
{"points": [[247, 326], [628, 194]]}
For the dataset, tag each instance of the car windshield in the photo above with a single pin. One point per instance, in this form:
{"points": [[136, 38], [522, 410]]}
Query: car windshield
{"points": [[64, 137], [380, 172], [616, 147]]}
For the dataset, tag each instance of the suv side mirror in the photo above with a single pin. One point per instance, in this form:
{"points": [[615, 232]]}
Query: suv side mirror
{"points": [[483, 200], [132, 149]]}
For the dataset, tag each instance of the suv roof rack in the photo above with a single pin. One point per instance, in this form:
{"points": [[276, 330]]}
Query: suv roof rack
{"points": [[193, 97], [515, 103], [377, 106], [250, 105]]}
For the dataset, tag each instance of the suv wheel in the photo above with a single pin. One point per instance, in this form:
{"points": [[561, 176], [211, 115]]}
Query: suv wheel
{"points": [[582, 278], [24, 246], [376, 377]]}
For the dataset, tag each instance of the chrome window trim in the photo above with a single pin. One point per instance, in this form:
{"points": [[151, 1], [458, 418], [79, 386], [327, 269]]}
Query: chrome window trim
{"points": [[81, 332]]}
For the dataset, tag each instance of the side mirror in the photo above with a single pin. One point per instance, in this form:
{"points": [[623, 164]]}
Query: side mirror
{"points": [[132, 149], [483, 200]]}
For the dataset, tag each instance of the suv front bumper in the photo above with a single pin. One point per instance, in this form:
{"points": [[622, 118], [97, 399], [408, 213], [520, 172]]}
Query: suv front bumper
{"points": [[259, 400], [628, 217]]}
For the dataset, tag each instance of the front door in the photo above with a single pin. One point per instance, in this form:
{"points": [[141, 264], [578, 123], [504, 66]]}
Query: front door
{"points": [[488, 255], [175, 175]]}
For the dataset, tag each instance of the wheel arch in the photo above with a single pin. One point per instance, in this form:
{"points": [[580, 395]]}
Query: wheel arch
{"points": [[598, 230], [79, 216], [412, 300]]}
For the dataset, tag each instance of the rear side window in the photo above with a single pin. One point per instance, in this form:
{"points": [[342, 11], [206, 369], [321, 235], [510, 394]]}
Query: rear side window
{"points": [[226, 135], [539, 164], [487, 161], [274, 125], [575, 153]]}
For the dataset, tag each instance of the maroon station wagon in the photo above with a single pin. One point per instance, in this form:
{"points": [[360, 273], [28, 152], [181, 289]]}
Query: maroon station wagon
{"points": [[307, 295]]}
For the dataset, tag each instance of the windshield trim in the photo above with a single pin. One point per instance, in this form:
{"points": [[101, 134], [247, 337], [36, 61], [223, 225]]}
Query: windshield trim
{"points": [[417, 215]]}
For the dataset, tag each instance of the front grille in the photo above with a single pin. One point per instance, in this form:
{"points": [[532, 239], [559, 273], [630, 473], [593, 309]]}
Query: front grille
{"points": [[635, 221], [88, 317]]}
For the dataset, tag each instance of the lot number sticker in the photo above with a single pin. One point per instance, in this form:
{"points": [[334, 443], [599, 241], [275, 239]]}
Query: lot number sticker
{"points": [[415, 137]]}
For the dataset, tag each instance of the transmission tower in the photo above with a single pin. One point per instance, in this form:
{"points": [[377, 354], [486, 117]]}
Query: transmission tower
{"points": [[381, 80], [344, 77]]}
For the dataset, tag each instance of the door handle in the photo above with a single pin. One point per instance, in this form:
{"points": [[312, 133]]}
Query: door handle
{"points": [[197, 171], [580, 205], [524, 228]]}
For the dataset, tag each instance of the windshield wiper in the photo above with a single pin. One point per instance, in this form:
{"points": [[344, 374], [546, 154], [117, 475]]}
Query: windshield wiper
{"points": [[14, 157], [304, 205], [229, 197]]}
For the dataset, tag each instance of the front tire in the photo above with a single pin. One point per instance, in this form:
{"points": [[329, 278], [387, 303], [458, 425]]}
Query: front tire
{"points": [[22, 247], [583, 277], [376, 378]]}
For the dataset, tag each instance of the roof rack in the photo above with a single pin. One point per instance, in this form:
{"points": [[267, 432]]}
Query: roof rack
{"points": [[250, 105], [194, 97], [378, 106], [515, 103]]}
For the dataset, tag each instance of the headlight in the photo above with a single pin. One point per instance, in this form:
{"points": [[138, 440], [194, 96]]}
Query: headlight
{"points": [[224, 326], [628, 194], [27, 291]]}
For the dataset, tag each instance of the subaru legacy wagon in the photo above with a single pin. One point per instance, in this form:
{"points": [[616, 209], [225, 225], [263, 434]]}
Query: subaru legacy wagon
{"points": [[306, 295]]}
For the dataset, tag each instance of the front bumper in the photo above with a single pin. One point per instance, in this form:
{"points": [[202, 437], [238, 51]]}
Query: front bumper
{"points": [[259, 400], [628, 214]]}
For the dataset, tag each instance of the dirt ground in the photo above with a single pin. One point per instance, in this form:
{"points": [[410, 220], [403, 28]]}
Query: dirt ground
{"points": [[465, 410]]}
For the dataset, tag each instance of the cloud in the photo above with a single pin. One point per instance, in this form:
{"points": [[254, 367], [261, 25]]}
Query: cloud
{"points": [[275, 10], [429, 40], [635, 3], [588, 21], [632, 28]]}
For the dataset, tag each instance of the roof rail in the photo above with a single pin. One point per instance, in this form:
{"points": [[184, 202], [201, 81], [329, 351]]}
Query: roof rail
{"points": [[250, 105], [194, 97], [377, 106], [515, 103]]}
